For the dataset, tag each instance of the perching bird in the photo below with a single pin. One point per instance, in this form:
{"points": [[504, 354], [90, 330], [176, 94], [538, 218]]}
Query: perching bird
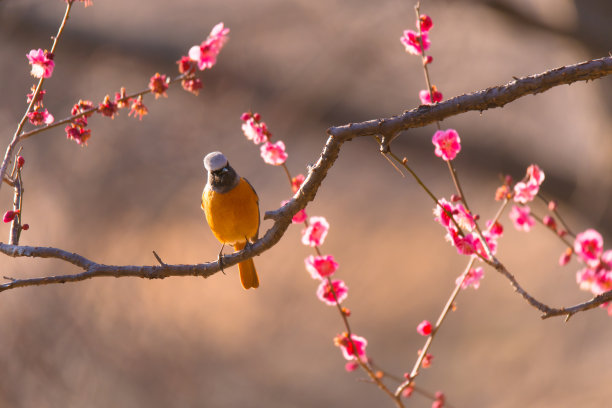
{"points": [[231, 207]]}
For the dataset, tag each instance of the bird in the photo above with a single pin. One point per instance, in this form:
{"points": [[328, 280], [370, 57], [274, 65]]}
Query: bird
{"points": [[231, 207]]}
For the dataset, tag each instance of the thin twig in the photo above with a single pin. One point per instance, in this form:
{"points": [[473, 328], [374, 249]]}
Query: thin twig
{"points": [[17, 135]]}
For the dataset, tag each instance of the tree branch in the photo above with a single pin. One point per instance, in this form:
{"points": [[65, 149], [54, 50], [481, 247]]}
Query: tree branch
{"points": [[387, 127], [495, 97]]}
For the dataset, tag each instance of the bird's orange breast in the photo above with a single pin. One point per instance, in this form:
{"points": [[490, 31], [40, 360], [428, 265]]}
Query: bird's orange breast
{"points": [[233, 216]]}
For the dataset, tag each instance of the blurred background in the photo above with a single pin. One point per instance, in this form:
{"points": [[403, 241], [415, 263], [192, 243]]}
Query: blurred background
{"points": [[304, 66]]}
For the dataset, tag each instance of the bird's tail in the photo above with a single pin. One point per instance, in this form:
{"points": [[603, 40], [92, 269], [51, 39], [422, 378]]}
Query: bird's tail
{"points": [[248, 274]]}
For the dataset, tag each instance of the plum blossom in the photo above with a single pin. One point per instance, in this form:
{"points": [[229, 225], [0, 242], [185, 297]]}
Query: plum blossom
{"points": [[296, 182], [42, 63], [447, 143], [597, 279], [526, 190], [521, 217], [424, 328], [425, 96], [320, 266], [588, 245], [158, 84], [255, 131], [472, 278], [353, 347], [299, 217], [205, 54], [40, 116], [426, 23], [274, 153], [325, 292], [410, 40], [314, 235]]}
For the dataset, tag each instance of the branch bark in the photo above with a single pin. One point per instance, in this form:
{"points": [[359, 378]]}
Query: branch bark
{"points": [[388, 128]]}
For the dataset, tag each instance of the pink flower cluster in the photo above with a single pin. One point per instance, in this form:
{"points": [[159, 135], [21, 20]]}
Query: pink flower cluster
{"points": [[38, 116], [205, 54], [257, 131], [425, 96], [412, 40], [472, 278], [415, 43], [523, 192], [321, 267], [460, 227], [596, 277], [526, 190]]}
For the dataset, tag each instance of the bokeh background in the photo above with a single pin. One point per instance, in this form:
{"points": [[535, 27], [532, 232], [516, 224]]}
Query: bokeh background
{"points": [[305, 66]]}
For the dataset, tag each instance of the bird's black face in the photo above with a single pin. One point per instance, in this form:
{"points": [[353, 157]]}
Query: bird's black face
{"points": [[224, 179]]}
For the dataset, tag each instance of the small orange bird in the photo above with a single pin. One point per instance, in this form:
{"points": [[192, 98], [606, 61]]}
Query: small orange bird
{"points": [[231, 207]]}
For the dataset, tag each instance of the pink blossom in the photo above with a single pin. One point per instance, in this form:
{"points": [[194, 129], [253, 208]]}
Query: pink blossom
{"points": [[39, 97], [426, 362], [138, 108], [192, 85], [535, 175], [42, 63], [351, 366], [495, 228], [40, 116], [549, 222], [158, 84], [425, 97], [589, 246], [521, 217], [447, 143], [424, 328], [296, 182], [320, 266], [426, 23], [565, 257], [407, 392], [10, 215], [274, 153], [353, 347], [525, 191], [185, 64], [314, 235], [466, 243], [472, 278], [439, 401], [78, 133], [442, 211], [299, 217], [206, 53], [325, 292], [597, 279], [411, 42], [255, 131]]}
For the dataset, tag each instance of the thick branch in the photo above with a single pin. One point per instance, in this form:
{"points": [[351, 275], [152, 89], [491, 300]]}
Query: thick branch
{"points": [[489, 98], [495, 97]]}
